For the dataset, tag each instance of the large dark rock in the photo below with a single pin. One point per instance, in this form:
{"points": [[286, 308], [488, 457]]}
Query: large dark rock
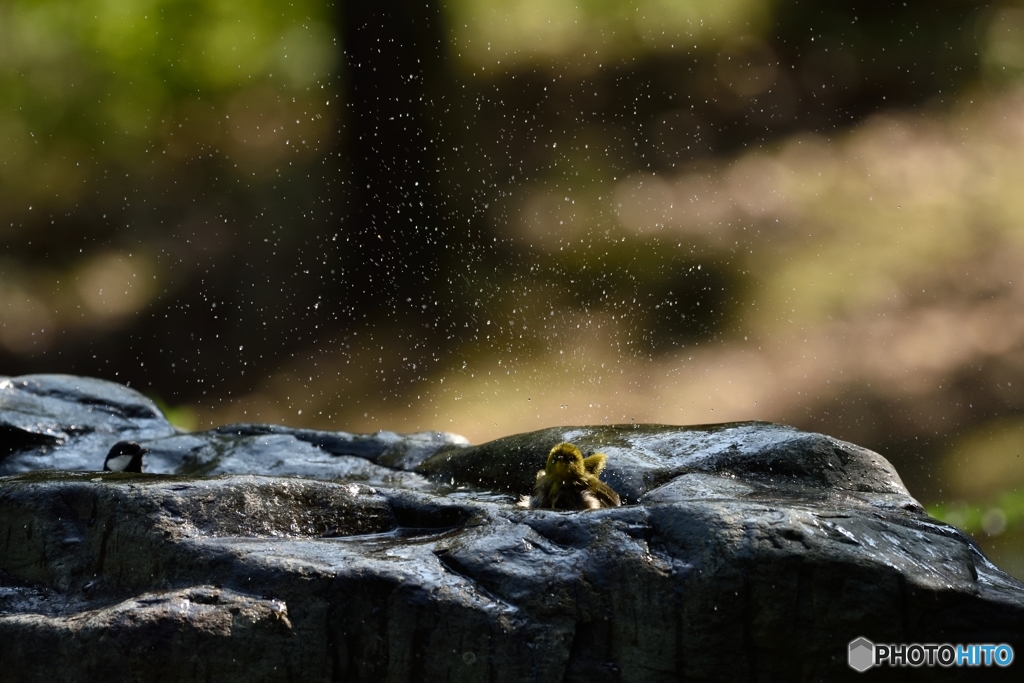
{"points": [[742, 552]]}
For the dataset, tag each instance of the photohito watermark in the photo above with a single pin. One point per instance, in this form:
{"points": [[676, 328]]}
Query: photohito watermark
{"points": [[864, 654]]}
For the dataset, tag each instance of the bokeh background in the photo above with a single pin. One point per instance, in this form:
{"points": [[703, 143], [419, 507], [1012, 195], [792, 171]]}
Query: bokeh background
{"points": [[492, 216]]}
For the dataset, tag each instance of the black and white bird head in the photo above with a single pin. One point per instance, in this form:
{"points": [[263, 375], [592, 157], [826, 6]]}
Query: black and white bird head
{"points": [[125, 456]]}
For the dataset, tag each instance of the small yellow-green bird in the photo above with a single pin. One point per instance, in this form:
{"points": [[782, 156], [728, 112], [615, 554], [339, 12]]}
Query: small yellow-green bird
{"points": [[570, 482]]}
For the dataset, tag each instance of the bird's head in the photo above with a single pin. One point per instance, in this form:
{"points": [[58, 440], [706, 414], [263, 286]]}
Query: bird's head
{"points": [[125, 456], [564, 460]]}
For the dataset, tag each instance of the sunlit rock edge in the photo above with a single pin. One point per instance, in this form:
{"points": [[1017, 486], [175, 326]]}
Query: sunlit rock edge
{"points": [[742, 551]]}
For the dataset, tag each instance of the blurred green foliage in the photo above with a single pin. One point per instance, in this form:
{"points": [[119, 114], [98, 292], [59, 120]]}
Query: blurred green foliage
{"points": [[991, 517], [996, 523], [90, 84], [487, 33]]}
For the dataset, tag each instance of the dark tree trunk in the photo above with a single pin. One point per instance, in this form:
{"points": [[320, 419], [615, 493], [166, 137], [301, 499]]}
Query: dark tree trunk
{"points": [[393, 50]]}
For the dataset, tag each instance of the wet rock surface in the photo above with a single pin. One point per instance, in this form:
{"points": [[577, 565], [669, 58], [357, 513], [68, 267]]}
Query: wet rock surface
{"points": [[253, 552]]}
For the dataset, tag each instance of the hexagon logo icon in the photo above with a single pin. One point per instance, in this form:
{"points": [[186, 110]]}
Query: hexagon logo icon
{"points": [[862, 654]]}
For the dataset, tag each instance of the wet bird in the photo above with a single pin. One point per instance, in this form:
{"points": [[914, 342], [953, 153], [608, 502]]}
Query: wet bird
{"points": [[125, 456], [570, 482]]}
